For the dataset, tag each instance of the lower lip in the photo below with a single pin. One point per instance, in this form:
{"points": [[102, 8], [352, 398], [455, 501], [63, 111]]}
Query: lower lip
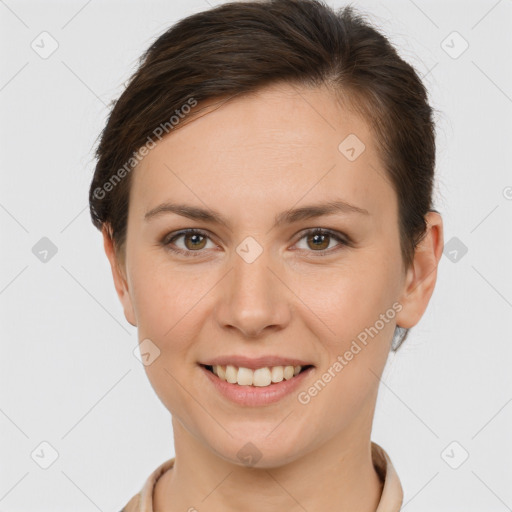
{"points": [[254, 396]]}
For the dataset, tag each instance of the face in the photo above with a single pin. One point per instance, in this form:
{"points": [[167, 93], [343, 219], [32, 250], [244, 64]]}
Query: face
{"points": [[275, 276]]}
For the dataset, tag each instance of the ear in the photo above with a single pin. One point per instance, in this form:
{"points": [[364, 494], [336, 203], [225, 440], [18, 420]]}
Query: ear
{"points": [[118, 273], [422, 275]]}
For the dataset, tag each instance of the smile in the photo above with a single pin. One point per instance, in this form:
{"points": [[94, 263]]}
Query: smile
{"points": [[259, 377], [255, 387]]}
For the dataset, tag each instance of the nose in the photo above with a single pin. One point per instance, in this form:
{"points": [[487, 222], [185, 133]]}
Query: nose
{"points": [[253, 298]]}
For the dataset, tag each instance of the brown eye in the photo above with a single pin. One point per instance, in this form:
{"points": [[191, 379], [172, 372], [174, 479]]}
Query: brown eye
{"points": [[318, 240], [193, 242]]}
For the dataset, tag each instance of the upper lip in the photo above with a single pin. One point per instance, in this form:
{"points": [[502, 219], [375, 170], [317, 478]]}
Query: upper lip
{"points": [[254, 362]]}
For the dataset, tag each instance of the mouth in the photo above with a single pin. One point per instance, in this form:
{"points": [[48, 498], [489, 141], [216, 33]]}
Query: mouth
{"points": [[267, 376]]}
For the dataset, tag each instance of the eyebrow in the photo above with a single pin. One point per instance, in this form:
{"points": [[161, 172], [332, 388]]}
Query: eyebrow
{"points": [[287, 217]]}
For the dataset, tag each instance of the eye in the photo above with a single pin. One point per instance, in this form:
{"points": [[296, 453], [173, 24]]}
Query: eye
{"points": [[193, 239], [319, 239]]}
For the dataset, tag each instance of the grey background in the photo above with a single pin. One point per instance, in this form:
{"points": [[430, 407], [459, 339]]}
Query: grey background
{"points": [[68, 375]]}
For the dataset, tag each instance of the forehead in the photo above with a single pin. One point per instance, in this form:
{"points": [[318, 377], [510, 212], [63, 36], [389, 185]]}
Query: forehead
{"points": [[269, 148]]}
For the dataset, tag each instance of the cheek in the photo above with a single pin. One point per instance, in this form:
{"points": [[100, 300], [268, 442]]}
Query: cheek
{"points": [[358, 310], [168, 299], [349, 299], [356, 303], [170, 308]]}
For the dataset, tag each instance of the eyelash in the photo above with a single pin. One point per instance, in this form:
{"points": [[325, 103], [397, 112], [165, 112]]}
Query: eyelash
{"points": [[343, 241]]}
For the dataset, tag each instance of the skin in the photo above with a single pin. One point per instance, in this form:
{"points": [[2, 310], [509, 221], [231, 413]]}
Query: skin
{"points": [[251, 159]]}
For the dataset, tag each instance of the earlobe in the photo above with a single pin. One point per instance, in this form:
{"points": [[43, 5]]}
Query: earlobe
{"points": [[120, 281], [422, 275]]}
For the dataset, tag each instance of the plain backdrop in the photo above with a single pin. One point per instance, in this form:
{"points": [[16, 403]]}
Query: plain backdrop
{"points": [[68, 375]]}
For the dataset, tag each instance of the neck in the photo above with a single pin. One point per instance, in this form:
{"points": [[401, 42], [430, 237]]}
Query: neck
{"points": [[338, 472]]}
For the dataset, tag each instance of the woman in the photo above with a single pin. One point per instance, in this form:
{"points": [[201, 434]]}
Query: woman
{"points": [[264, 191]]}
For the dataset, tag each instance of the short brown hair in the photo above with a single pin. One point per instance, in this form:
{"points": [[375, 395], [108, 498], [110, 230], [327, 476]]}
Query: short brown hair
{"points": [[240, 47]]}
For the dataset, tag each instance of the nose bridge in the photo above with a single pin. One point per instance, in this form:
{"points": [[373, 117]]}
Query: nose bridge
{"points": [[252, 279], [254, 298]]}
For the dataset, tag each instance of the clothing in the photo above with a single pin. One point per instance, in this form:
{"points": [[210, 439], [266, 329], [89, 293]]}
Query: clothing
{"points": [[390, 500]]}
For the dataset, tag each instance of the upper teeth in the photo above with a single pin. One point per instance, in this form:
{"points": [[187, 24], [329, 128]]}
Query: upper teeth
{"points": [[260, 377]]}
